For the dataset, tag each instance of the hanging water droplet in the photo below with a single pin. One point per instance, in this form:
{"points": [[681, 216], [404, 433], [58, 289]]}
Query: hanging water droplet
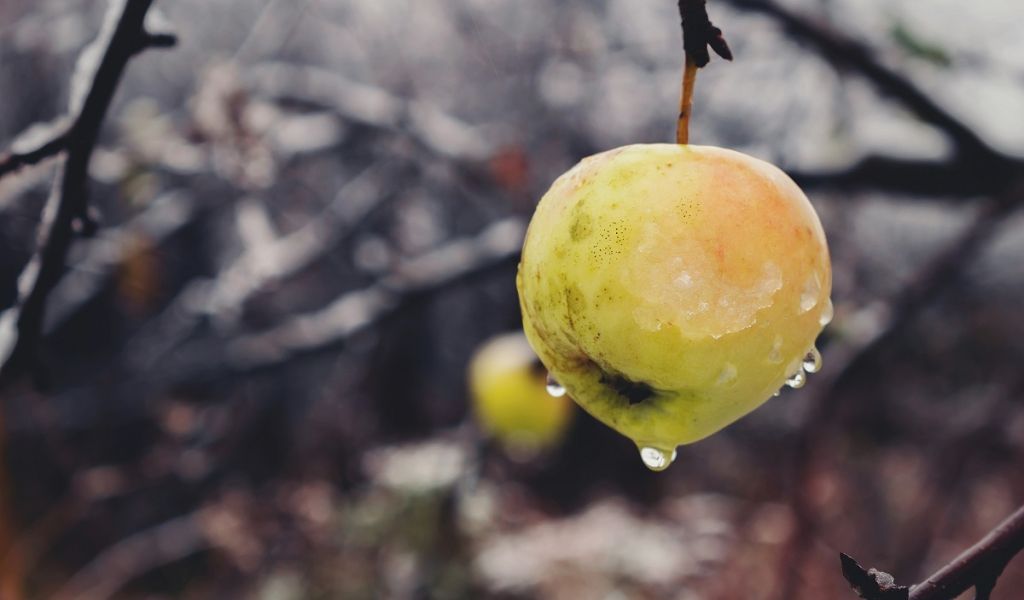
{"points": [[827, 312], [555, 389], [797, 380], [777, 394], [655, 459], [727, 374], [812, 362], [775, 354], [809, 295]]}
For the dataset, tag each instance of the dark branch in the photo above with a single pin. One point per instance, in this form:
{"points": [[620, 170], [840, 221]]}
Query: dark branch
{"points": [[158, 40], [958, 177], [848, 53], [979, 566], [699, 33], [332, 327], [845, 363], [12, 161], [67, 209], [871, 584]]}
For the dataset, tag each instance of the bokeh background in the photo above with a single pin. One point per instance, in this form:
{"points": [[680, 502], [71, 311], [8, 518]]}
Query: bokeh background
{"points": [[254, 380]]}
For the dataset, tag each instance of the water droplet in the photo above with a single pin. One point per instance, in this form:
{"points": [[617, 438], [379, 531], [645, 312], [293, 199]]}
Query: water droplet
{"points": [[728, 374], [809, 295], [555, 389], [655, 459], [775, 354], [797, 380], [826, 313], [777, 394], [812, 362]]}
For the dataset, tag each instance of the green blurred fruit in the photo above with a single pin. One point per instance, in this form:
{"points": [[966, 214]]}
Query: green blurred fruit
{"points": [[672, 289], [510, 401]]}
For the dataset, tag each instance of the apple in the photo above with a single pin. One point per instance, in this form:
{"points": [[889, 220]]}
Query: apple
{"points": [[672, 289], [510, 398]]}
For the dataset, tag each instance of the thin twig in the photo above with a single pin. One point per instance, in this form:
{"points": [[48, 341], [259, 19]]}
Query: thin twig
{"points": [[846, 362], [12, 161], [426, 123], [223, 298], [686, 101], [331, 327], [845, 52], [698, 35], [980, 565], [956, 177], [136, 555], [21, 325]]}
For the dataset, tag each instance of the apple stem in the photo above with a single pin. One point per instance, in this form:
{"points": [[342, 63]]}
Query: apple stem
{"points": [[698, 35], [686, 101]]}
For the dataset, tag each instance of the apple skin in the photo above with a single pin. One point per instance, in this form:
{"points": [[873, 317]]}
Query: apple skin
{"points": [[672, 289], [510, 401]]}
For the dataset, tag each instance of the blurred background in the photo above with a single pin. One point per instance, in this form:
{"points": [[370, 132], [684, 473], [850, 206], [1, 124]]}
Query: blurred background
{"points": [[255, 375]]}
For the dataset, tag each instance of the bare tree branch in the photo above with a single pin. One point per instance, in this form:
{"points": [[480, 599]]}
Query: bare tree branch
{"points": [[979, 567], [21, 325], [372, 106], [332, 326], [848, 53], [871, 584], [929, 178], [14, 159], [135, 556], [846, 362], [223, 298]]}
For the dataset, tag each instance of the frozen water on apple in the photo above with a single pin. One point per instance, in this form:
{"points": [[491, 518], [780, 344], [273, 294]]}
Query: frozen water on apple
{"points": [[775, 355], [798, 379], [555, 389], [728, 374], [827, 313], [656, 459], [809, 295], [812, 362]]}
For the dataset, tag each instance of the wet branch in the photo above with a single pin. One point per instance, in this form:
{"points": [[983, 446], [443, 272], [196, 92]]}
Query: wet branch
{"points": [[67, 211], [135, 556], [699, 33], [979, 567], [844, 363], [848, 53], [957, 177], [14, 160], [331, 327]]}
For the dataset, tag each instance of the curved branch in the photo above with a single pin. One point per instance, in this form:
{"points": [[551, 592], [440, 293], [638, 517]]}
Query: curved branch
{"points": [[958, 177], [979, 566], [844, 363], [331, 327], [67, 208], [848, 53], [12, 161]]}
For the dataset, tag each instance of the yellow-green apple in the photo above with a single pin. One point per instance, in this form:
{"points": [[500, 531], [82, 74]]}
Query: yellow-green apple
{"points": [[510, 401], [671, 289]]}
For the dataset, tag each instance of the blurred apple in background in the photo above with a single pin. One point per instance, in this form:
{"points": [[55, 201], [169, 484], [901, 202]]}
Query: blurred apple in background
{"points": [[510, 398]]}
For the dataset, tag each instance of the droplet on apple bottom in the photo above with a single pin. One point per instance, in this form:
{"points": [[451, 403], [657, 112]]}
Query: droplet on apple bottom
{"points": [[827, 313], [812, 362], [555, 389], [798, 379], [656, 459]]}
